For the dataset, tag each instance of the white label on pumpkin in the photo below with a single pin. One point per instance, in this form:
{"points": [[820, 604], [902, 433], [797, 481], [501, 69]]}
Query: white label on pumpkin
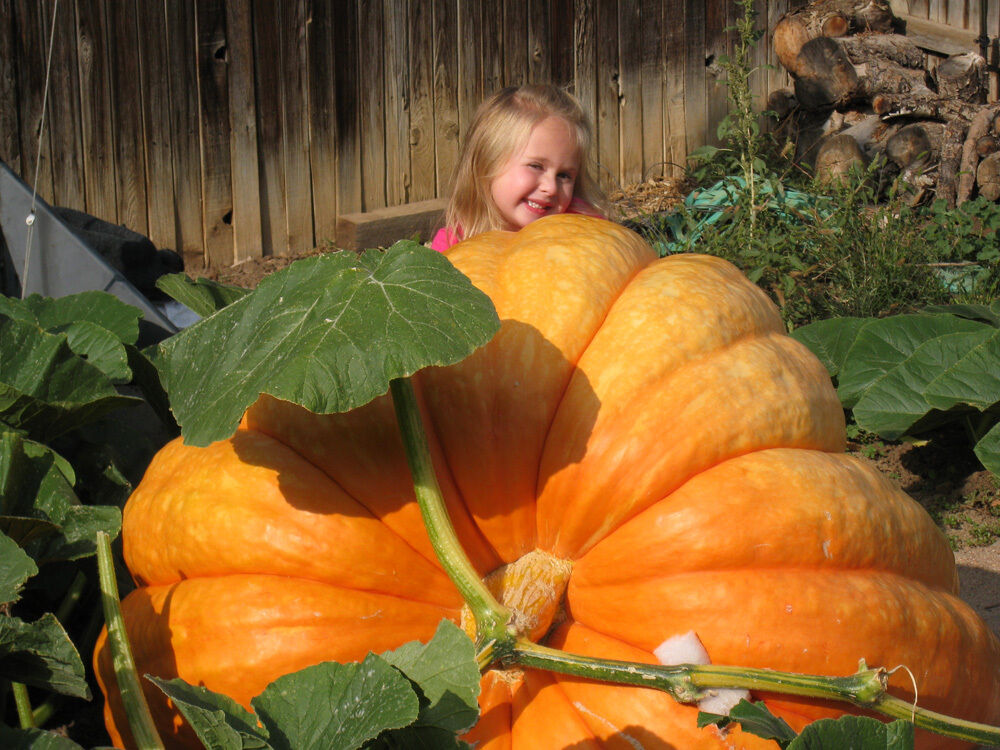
{"points": [[688, 649]]}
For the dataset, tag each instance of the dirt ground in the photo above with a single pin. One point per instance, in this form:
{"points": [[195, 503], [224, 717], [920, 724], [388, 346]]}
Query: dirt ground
{"points": [[944, 476]]}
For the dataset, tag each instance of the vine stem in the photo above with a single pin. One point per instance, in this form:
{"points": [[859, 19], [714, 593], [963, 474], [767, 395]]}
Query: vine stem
{"points": [[492, 618], [24, 713], [140, 720], [867, 688], [498, 642]]}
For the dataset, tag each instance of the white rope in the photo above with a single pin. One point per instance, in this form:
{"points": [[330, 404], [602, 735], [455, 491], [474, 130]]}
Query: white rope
{"points": [[30, 218]]}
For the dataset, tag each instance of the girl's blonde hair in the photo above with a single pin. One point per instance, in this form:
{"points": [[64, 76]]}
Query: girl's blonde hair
{"points": [[500, 128]]}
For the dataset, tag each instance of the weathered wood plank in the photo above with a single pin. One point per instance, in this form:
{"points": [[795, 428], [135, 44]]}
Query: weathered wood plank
{"points": [[323, 126], [372, 99], [937, 37], [298, 230], [384, 226], [585, 71], [10, 127], [183, 77], [695, 77], [398, 174], [154, 64], [270, 141], [957, 13], [608, 93], [515, 42], [470, 62], [348, 119], [920, 8], [675, 123], [630, 104], [446, 117], [491, 23], [32, 40], [126, 117], [651, 69], [64, 119], [216, 174], [537, 48], [716, 45], [422, 102], [561, 42], [246, 218]]}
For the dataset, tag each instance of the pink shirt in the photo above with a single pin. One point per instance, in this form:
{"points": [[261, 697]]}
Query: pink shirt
{"points": [[445, 238]]}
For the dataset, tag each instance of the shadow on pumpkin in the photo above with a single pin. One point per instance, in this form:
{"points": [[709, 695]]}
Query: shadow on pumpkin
{"points": [[486, 421]]}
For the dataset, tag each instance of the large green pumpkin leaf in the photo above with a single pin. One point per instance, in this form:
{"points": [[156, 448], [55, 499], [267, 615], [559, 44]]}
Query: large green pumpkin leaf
{"points": [[328, 333], [15, 569], [202, 296], [755, 718], [898, 400], [41, 654], [984, 313], [855, 732], [445, 671], [973, 379], [886, 343], [34, 739], [831, 339], [56, 314], [988, 450], [353, 703], [46, 388], [220, 722], [39, 508], [101, 349]]}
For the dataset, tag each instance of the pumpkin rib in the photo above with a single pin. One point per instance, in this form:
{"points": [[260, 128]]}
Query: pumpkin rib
{"points": [[574, 369], [239, 489], [514, 404], [360, 501], [680, 415], [815, 497], [288, 424]]}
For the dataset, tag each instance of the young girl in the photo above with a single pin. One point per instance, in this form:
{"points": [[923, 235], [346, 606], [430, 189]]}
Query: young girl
{"points": [[524, 157]]}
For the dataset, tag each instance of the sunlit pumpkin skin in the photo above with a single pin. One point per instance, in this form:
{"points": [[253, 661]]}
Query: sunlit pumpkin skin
{"points": [[647, 420]]}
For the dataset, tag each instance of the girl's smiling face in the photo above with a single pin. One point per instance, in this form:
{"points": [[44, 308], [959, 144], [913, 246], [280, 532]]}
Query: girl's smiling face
{"points": [[540, 179]]}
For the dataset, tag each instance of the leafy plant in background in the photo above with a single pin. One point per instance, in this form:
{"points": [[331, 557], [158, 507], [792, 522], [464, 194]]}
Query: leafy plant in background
{"points": [[818, 256], [78, 406], [819, 251], [966, 242], [909, 374]]}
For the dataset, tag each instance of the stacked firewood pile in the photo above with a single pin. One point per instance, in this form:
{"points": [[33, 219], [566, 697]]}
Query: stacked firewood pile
{"points": [[862, 89]]}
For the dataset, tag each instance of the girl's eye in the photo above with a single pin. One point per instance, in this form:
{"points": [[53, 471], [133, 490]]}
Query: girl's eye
{"points": [[535, 165], [565, 176]]}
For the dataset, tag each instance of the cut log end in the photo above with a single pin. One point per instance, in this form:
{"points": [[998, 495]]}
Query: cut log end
{"points": [[838, 155]]}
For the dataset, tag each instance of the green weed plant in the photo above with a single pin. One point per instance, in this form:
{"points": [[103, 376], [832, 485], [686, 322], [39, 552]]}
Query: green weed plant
{"points": [[852, 248]]}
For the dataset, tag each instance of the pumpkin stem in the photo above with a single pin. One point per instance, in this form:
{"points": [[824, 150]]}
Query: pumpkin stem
{"points": [[140, 720], [492, 618], [687, 683]]}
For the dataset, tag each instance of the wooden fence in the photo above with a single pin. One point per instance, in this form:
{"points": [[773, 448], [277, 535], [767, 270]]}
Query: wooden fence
{"points": [[228, 129]]}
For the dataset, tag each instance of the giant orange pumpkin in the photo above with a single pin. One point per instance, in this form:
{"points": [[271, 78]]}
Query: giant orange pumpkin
{"points": [[644, 431]]}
